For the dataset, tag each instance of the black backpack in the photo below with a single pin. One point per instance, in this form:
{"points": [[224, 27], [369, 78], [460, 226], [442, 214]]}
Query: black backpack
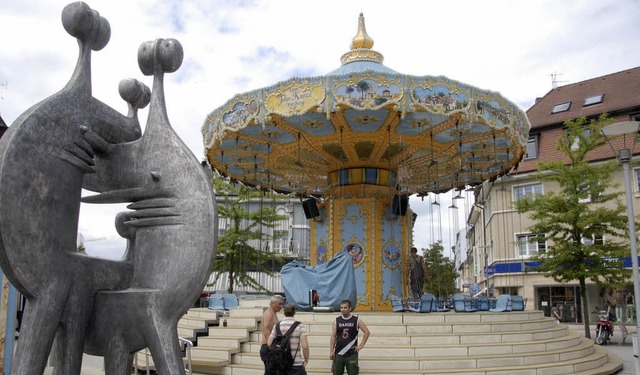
{"points": [[279, 358]]}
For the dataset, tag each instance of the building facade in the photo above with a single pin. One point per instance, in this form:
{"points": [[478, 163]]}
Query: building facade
{"points": [[290, 238], [499, 243]]}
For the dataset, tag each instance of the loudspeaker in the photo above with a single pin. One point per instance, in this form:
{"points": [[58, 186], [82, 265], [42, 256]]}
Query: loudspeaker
{"points": [[310, 208], [400, 204]]}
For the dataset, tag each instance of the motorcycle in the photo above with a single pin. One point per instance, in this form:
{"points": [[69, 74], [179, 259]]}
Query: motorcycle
{"points": [[604, 326]]}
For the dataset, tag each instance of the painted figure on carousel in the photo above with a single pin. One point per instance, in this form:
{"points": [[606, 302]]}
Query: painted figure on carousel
{"points": [[416, 272]]}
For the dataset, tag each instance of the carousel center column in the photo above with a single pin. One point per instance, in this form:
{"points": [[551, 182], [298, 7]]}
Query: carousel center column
{"points": [[364, 217]]}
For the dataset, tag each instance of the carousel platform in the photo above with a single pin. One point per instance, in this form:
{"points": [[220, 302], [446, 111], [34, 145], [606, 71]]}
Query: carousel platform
{"points": [[523, 342]]}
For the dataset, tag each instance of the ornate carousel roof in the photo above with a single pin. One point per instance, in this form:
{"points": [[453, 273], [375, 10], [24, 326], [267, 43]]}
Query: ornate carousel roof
{"points": [[364, 123]]}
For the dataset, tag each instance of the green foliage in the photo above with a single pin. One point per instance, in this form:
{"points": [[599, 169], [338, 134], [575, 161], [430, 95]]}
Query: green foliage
{"points": [[441, 272], [235, 255], [587, 205]]}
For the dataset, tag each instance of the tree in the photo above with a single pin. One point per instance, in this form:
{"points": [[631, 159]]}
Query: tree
{"points": [[235, 255], [441, 272], [586, 207], [350, 89], [363, 86]]}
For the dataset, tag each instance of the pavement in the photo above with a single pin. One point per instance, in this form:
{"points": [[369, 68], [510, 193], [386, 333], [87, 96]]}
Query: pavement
{"points": [[91, 365], [617, 347]]}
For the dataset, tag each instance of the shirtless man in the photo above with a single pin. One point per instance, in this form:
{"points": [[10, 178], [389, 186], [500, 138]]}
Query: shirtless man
{"points": [[269, 320]]}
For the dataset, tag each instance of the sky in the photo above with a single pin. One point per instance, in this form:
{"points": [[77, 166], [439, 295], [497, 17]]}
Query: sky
{"points": [[511, 47]]}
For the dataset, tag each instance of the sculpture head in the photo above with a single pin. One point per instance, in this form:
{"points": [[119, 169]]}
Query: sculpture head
{"points": [[86, 25]]}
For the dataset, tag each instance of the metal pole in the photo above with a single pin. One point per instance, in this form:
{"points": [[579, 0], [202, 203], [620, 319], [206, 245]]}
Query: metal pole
{"points": [[624, 157]]}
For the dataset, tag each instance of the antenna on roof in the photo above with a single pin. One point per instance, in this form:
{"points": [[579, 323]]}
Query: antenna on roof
{"points": [[554, 80]]}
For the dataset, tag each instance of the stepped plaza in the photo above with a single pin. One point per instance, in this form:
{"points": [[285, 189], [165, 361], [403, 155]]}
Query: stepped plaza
{"points": [[523, 342]]}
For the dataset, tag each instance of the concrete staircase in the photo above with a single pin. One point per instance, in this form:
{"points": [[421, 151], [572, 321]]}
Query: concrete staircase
{"points": [[213, 343], [410, 343]]}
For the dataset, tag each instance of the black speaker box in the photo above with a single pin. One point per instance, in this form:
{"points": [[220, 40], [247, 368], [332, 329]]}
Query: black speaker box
{"points": [[310, 208], [400, 204]]}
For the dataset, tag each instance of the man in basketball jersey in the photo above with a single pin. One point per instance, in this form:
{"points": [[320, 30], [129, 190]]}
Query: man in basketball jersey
{"points": [[344, 346]]}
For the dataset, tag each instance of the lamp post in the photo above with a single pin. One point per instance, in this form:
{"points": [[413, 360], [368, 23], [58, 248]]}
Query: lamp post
{"points": [[624, 129]]}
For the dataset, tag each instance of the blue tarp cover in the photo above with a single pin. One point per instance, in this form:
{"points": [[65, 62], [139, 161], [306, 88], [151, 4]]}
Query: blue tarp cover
{"points": [[334, 281]]}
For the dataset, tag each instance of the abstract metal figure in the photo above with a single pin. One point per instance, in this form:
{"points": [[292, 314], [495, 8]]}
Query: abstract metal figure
{"points": [[43, 158], [171, 233], [70, 141]]}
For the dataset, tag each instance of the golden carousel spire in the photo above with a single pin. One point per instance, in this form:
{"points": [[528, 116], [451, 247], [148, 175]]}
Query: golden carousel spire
{"points": [[362, 39], [361, 47]]}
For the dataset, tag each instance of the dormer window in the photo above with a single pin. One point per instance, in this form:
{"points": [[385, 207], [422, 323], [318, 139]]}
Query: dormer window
{"points": [[562, 107], [595, 99]]}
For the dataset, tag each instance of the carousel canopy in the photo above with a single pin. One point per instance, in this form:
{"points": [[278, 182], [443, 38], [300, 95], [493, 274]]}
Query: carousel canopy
{"points": [[367, 124]]}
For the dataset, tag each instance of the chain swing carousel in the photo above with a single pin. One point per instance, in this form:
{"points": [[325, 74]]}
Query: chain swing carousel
{"points": [[355, 143]]}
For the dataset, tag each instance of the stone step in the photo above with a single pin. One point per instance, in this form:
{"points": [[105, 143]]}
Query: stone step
{"points": [[246, 312], [442, 328], [594, 363], [425, 336], [450, 352], [203, 312], [390, 318], [254, 302], [223, 342], [217, 354], [187, 333], [379, 346], [250, 322], [372, 363]]}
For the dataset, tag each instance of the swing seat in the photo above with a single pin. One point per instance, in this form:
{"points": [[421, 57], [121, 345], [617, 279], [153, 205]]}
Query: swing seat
{"points": [[216, 302], [230, 301]]}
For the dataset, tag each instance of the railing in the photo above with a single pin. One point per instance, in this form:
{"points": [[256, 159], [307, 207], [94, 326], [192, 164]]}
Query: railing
{"points": [[187, 344]]}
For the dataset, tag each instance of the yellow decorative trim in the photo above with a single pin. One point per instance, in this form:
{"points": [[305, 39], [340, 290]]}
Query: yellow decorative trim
{"points": [[362, 54], [354, 218], [366, 119], [295, 98]]}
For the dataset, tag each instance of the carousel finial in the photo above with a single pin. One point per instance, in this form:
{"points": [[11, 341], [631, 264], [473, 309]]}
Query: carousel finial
{"points": [[361, 47], [361, 40]]}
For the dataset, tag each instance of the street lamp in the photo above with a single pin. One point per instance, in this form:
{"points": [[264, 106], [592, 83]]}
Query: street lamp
{"points": [[629, 129]]}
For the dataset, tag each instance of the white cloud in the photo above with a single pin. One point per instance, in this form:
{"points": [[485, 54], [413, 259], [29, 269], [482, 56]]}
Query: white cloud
{"points": [[231, 47]]}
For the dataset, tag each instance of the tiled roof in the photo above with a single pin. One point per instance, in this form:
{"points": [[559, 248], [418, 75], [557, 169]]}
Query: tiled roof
{"points": [[621, 92]]}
